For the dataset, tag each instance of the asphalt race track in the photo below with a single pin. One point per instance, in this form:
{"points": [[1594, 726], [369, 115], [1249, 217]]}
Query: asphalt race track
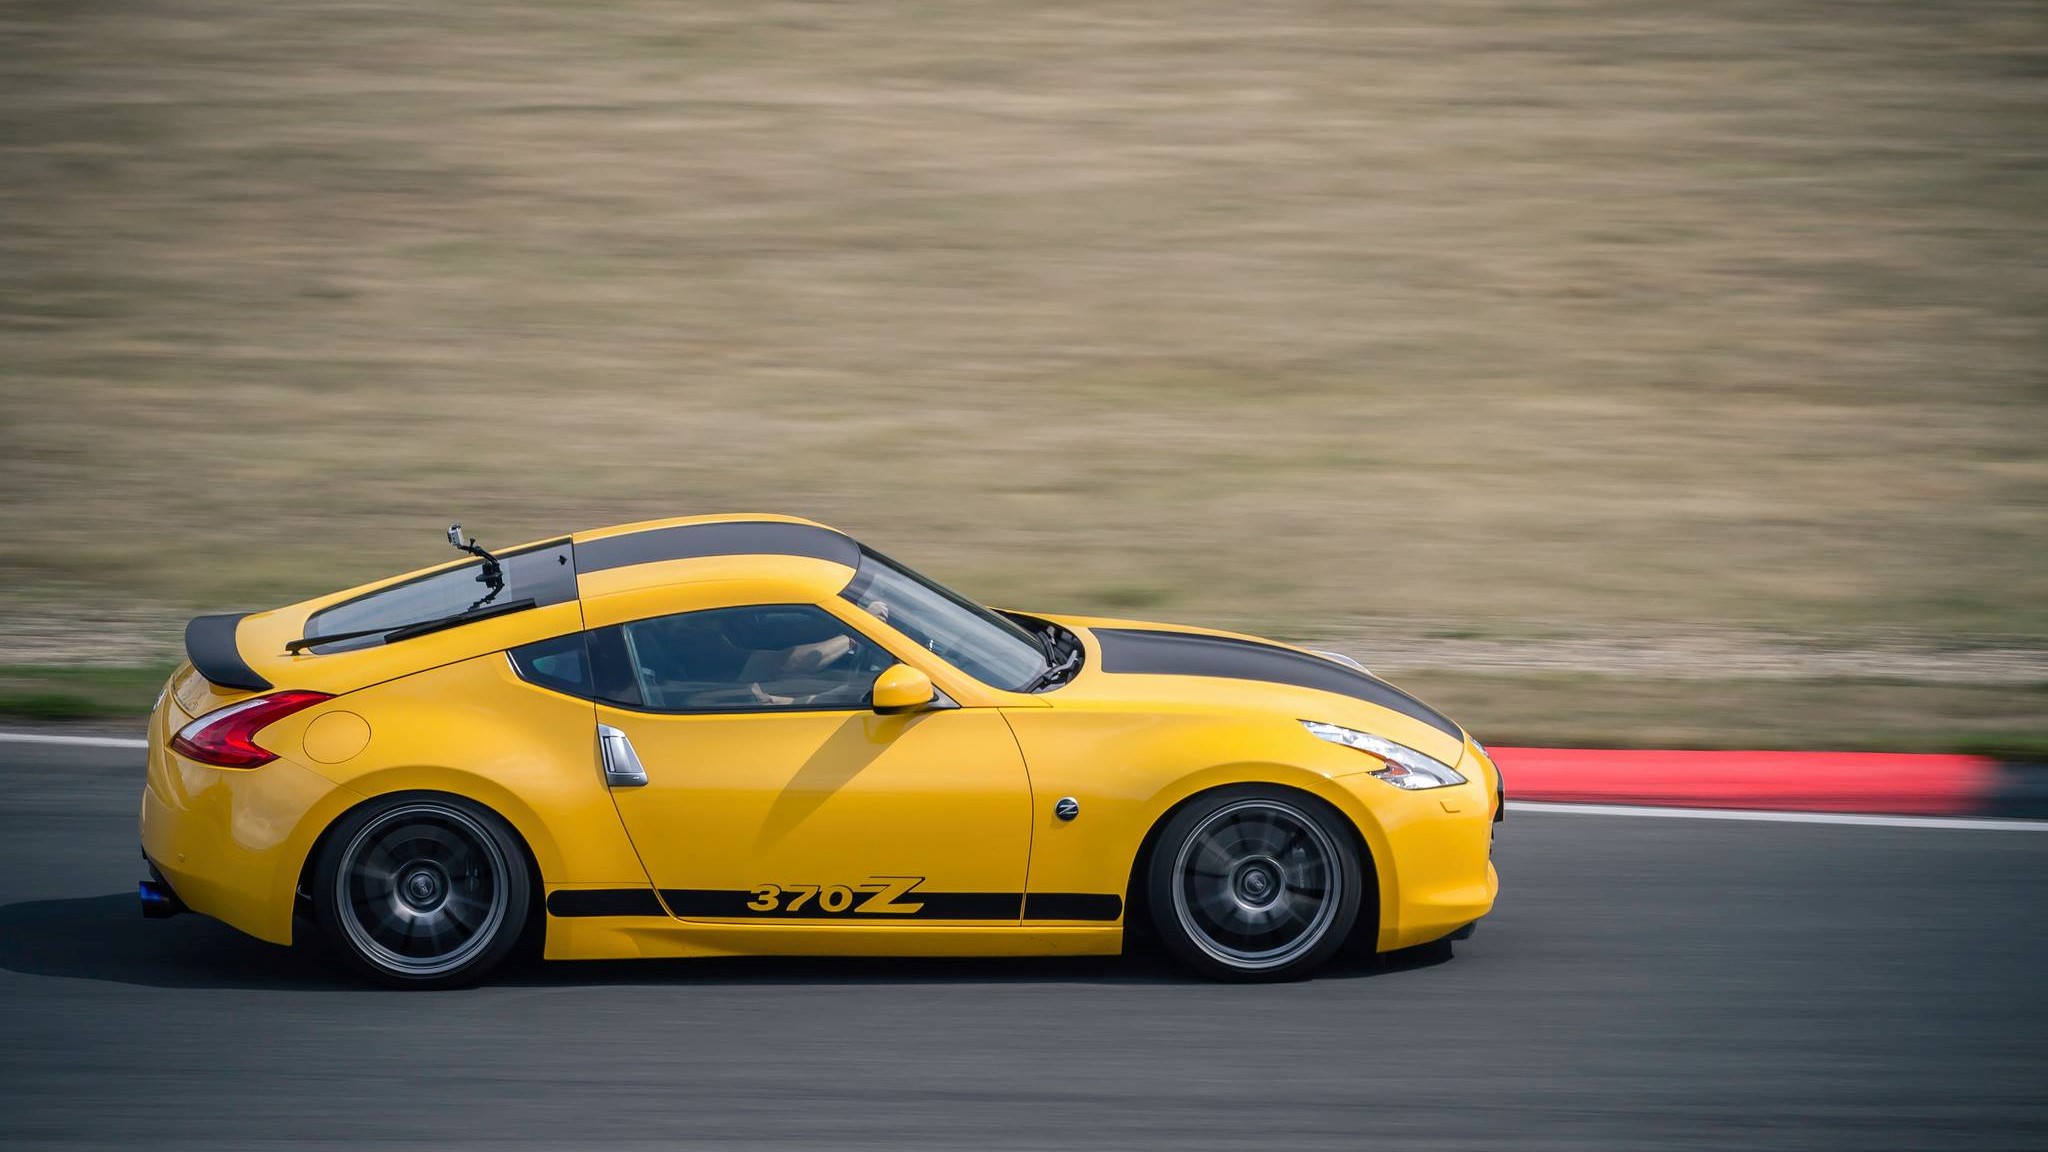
{"points": [[1646, 983]]}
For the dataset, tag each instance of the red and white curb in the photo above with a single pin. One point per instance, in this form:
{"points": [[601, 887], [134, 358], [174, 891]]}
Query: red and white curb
{"points": [[1751, 816], [1860, 783]]}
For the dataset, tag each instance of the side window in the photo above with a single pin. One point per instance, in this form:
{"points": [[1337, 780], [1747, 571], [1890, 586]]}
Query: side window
{"points": [[560, 664], [752, 659]]}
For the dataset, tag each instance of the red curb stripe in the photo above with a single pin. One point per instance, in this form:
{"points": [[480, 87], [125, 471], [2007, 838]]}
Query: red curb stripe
{"points": [[1883, 782]]}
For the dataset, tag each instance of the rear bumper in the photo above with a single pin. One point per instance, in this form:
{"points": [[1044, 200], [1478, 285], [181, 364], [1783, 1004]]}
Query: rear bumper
{"points": [[230, 842]]}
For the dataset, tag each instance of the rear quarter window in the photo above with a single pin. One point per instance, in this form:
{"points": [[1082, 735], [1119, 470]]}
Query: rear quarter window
{"points": [[562, 664]]}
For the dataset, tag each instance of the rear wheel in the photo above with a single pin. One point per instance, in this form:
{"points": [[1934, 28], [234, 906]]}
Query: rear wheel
{"points": [[422, 891], [1252, 884]]}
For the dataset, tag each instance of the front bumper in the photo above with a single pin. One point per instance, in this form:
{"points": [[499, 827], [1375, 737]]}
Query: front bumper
{"points": [[1433, 850]]}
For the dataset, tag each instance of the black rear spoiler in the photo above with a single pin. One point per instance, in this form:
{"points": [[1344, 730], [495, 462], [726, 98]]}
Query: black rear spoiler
{"points": [[210, 645]]}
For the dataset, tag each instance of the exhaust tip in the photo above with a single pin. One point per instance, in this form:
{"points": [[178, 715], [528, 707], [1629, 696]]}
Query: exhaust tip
{"points": [[158, 901]]}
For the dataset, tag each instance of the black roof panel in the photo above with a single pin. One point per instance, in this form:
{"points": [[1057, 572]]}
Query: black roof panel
{"points": [[719, 538]]}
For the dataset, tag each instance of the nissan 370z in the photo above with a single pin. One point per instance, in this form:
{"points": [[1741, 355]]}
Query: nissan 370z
{"points": [[753, 735]]}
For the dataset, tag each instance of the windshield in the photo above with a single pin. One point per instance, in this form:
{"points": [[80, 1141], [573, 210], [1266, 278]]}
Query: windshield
{"points": [[988, 647]]}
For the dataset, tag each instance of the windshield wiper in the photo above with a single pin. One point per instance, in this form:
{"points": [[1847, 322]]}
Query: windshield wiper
{"points": [[1049, 645], [1055, 673], [392, 632]]}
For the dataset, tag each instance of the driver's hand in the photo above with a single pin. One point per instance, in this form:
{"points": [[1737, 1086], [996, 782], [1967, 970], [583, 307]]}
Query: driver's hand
{"points": [[812, 657], [879, 609], [765, 697]]}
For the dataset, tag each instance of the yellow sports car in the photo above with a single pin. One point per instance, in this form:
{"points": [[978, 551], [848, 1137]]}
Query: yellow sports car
{"points": [[753, 735]]}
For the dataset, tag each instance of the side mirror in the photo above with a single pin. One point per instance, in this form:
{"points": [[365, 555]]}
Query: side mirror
{"points": [[902, 688]]}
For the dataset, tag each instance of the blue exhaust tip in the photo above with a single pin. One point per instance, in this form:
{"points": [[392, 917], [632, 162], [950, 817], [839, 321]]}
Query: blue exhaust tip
{"points": [[158, 901]]}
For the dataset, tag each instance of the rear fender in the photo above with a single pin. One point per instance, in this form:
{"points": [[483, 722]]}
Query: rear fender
{"points": [[541, 838], [476, 730]]}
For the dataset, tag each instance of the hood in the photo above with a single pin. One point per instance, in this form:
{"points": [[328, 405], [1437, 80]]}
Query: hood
{"points": [[1132, 661]]}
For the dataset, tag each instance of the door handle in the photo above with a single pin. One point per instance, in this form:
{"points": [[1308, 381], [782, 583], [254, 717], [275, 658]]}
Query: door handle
{"points": [[621, 764]]}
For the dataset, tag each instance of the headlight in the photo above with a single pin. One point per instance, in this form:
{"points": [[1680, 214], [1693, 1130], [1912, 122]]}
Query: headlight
{"points": [[1406, 768]]}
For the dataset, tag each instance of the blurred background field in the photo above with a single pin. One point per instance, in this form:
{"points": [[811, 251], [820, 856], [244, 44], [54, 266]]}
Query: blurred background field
{"points": [[1619, 372]]}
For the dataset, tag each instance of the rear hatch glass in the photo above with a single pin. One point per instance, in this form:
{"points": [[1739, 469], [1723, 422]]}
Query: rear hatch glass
{"points": [[544, 574]]}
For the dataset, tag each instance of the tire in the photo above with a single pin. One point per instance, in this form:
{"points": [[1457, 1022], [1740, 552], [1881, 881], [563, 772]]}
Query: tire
{"points": [[422, 890], [1254, 884]]}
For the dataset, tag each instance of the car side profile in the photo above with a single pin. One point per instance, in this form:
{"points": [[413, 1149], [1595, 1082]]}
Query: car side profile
{"points": [[752, 735]]}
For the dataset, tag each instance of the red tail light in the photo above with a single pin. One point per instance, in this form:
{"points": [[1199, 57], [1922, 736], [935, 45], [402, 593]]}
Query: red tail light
{"points": [[226, 737]]}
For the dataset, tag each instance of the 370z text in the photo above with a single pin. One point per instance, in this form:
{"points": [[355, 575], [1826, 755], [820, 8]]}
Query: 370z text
{"points": [[878, 896]]}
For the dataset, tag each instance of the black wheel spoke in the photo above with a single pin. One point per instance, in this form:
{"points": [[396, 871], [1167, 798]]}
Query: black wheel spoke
{"points": [[1215, 861], [466, 911], [1215, 902]]}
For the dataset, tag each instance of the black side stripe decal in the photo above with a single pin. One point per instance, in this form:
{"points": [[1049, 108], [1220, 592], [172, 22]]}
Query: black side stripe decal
{"points": [[722, 538], [713, 903], [1072, 906], [604, 902], [693, 903]]}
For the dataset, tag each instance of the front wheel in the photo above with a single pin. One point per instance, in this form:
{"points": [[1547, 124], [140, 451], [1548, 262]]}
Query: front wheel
{"points": [[422, 891], [1252, 884]]}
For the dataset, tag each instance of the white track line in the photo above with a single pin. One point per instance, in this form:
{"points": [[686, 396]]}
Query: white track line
{"points": [[76, 741], [1958, 822]]}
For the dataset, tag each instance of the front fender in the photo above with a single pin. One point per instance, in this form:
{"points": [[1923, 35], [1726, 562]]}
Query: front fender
{"points": [[1380, 859]]}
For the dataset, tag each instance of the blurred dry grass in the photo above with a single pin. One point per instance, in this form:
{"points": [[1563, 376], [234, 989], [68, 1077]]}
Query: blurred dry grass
{"points": [[1517, 320]]}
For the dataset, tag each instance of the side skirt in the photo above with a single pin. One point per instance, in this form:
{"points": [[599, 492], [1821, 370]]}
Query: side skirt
{"points": [[644, 937]]}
